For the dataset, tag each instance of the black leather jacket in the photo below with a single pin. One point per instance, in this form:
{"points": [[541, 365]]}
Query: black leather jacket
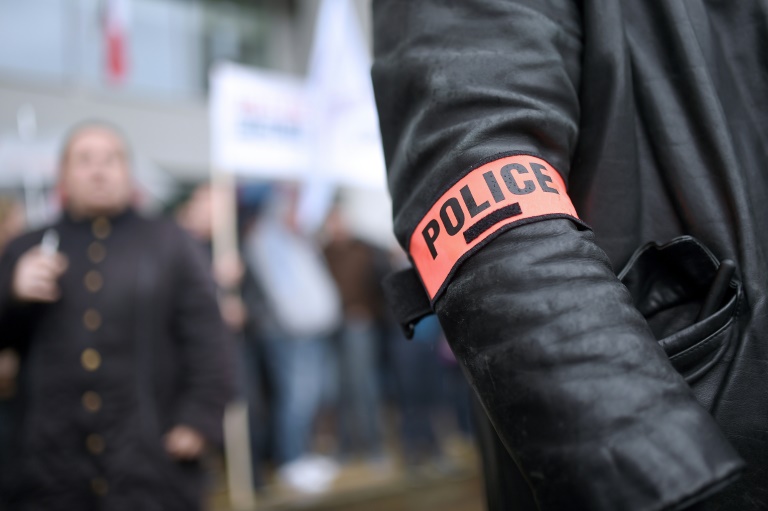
{"points": [[599, 380]]}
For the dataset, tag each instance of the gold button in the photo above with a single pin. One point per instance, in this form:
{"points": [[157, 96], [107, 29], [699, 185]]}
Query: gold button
{"points": [[90, 359], [96, 252], [93, 281], [99, 486], [101, 228], [95, 443], [92, 320], [92, 401]]}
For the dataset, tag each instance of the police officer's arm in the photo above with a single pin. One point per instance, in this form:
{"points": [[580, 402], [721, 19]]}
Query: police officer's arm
{"points": [[479, 109], [203, 340]]}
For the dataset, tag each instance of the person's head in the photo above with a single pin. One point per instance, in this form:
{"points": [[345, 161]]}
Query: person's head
{"points": [[95, 171]]}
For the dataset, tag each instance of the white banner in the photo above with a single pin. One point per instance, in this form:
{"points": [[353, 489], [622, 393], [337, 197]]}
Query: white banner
{"points": [[322, 130], [258, 123]]}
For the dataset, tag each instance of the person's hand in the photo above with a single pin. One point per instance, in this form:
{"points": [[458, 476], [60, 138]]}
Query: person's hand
{"points": [[36, 274], [184, 443], [233, 312]]}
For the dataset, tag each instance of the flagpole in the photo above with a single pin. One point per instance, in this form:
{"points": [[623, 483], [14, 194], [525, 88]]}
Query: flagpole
{"points": [[237, 447]]}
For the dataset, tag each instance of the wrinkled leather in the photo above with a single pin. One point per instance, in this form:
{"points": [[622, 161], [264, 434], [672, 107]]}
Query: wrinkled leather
{"points": [[669, 284], [655, 113], [581, 394]]}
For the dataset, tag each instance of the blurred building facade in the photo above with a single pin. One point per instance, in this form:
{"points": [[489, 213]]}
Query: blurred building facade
{"points": [[53, 58]]}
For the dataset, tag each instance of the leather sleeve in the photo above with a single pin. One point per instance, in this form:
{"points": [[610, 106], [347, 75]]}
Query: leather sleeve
{"points": [[566, 368]]}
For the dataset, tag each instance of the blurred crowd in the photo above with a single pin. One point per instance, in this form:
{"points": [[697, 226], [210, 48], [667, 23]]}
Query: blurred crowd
{"points": [[328, 376], [306, 341]]}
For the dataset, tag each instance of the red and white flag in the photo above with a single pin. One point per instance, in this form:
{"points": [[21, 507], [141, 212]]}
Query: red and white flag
{"points": [[116, 21]]}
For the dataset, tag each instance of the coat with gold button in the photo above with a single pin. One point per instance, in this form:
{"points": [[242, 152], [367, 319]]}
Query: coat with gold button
{"points": [[134, 347]]}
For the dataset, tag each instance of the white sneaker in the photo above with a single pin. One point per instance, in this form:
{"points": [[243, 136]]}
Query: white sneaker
{"points": [[310, 474]]}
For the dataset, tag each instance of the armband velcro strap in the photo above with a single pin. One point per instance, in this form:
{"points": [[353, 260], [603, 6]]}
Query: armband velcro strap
{"points": [[490, 199]]}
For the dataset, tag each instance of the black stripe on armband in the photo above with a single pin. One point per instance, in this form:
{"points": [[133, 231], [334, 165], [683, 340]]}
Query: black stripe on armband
{"points": [[485, 223]]}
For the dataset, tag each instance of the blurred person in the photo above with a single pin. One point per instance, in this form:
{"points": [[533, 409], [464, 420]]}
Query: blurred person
{"points": [[123, 352], [303, 309], [239, 302], [356, 268], [255, 375], [12, 224], [195, 215], [417, 376]]}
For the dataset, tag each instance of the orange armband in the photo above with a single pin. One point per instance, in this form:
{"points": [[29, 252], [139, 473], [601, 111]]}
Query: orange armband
{"points": [[490, 199]]}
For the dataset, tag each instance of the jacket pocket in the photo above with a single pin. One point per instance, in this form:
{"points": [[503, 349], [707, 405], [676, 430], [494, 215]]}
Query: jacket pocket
{"points": [[669, 284]]}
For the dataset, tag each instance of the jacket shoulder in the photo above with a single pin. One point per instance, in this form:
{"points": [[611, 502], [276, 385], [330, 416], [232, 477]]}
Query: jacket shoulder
{"points": [[161, 227], [165, 232]]}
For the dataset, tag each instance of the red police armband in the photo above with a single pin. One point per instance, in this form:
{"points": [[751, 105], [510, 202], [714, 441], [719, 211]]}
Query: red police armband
{"points": [[491, 198]]}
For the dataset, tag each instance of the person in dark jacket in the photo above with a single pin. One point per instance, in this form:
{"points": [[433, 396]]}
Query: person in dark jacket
{"points": [[124, 371], [536, 148]]}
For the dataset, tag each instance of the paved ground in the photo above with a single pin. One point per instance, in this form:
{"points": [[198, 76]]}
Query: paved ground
{"points": [[446, 494], [455, 487], [461, 492]]}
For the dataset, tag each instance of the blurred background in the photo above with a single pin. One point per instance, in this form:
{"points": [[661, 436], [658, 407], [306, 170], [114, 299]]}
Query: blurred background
{"points": [[253, 124]]}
